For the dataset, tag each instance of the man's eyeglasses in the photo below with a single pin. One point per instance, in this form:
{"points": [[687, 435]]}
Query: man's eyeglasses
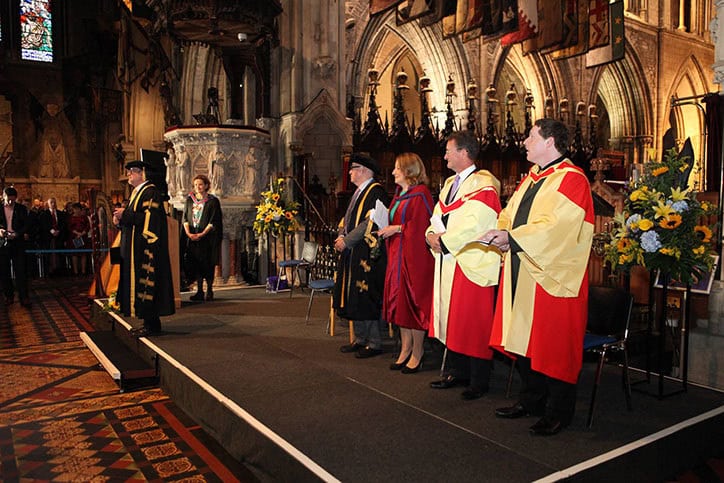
{"points": [[134, 170], [355, 166]]}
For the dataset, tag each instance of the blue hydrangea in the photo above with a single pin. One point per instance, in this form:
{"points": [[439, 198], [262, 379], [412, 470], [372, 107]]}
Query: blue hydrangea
{"points": [[635, 218], [650, 241], [680, 206]]}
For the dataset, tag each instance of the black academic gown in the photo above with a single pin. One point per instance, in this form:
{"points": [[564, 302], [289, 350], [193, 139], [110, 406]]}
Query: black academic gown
{"points": [[360, 278], [145, 289]]}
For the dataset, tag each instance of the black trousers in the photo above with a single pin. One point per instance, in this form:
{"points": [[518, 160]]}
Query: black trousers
{"points": [[13, 254], [475, 369], [545, 396]]}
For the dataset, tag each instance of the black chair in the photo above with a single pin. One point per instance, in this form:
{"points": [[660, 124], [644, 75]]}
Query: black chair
{"points": [[609, 316], [607, 328], [309, 256], [323, 273]]}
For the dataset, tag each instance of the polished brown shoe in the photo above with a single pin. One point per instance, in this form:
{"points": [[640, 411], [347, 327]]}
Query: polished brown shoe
{"points": [[449, 381]]}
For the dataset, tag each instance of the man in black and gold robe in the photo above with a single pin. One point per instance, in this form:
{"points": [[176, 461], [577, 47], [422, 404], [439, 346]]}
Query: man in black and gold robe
{"points": [[145, 289], [359, 283]]}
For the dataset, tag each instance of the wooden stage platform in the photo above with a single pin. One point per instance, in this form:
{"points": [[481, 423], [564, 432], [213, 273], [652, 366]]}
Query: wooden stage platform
{"points": [[280, 397]]}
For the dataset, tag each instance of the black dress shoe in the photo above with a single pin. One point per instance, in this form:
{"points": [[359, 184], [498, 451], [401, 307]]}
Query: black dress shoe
{"points": [[350, 347], [198, 297], [547, 426], [412, 370], [449, 381], [512, 412], [367, 352], [396, 367], [472, 393], [144, 332], [209, 296]]}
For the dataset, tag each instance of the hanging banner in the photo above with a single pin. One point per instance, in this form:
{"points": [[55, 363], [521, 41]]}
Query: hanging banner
{"points": [[615, 49]]}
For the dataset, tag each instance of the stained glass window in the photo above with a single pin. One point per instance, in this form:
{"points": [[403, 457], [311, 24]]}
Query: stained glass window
{"points": [[36, 30]]}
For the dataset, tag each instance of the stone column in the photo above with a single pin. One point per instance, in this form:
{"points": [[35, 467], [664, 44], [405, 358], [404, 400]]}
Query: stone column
{"points": [[718, 38]]}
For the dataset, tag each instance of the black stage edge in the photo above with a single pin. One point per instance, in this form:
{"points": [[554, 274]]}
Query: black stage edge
{"points": [[282, 399], [124, 365]]}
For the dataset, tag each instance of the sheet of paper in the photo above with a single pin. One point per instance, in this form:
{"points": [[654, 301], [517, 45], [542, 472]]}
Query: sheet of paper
{"points": [[381, 215], [437, 225]]}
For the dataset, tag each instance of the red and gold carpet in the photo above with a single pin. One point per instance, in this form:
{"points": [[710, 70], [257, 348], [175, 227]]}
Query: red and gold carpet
{"points": [[62, 418]]}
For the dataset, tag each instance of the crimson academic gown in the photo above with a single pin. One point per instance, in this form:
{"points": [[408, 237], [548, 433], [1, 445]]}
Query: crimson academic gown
{"points": [[541, 313], [408, 280]]}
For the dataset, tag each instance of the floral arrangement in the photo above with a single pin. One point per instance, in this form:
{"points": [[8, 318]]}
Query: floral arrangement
{"points": [[275, 214], [662, 225], [111, 303]]}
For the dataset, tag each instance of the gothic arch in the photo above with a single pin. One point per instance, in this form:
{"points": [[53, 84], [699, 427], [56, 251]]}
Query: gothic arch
{"points": [[534, 71], [690, 81], [383, 41], [323, 107], [323, 133], [201, 70], [622, 89]]}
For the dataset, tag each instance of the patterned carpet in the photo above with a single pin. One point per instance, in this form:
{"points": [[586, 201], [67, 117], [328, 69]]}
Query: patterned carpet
{"points": [[62, 418]]}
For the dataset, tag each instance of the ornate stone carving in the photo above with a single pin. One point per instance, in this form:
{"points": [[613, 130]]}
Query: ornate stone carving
{"points": [[235, 159], [324, 67]]}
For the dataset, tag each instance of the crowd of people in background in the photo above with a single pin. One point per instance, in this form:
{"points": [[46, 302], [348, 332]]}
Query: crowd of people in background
{"points": [[64, 232]]}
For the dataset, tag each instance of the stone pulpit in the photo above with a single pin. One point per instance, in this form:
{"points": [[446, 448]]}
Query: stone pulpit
{"points": [[236, 160]]}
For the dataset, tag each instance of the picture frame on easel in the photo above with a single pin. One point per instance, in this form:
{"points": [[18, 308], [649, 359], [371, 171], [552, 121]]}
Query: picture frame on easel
{"points": [[703, 285]]}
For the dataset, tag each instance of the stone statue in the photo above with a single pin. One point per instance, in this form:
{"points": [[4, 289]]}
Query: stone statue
{"points": [[183, 170], [170, 163], [53, 155], [251, 169], [217, 163]]}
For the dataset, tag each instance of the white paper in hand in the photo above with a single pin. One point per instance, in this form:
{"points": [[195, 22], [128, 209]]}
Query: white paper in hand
{"points": [[381, 215], [437, 225]]}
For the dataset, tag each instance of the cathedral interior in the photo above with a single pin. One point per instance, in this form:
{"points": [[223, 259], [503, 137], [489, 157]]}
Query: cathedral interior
{"points": [[249, 91]]}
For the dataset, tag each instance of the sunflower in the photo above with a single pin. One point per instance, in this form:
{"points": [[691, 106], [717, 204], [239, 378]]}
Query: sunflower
{"points": [[705, 233], [671, 221]]}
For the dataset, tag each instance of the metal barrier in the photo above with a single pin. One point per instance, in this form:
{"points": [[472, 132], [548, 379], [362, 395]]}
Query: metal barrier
{"points": [[66, 251]]}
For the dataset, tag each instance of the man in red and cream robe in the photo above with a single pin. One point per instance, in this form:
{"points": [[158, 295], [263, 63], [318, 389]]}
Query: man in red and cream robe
{"points": [[545, 232], [466, 272]]}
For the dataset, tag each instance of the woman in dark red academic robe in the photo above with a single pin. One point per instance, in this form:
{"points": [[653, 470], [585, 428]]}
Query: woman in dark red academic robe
{"points": [[409, 276]]}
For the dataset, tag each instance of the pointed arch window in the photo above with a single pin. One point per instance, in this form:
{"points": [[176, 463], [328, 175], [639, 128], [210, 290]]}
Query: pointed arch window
{"points": [[36, 30]]}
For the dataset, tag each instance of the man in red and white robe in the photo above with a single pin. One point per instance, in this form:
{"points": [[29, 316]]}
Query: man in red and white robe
{"points": [[466, 272], [546, 232]]}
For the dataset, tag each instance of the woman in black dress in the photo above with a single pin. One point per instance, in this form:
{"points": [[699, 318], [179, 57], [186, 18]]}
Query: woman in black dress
{"points": [[203, 227]]}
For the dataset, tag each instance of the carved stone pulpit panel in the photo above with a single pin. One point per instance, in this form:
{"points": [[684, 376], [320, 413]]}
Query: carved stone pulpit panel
{"points": [[236, 160]]}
